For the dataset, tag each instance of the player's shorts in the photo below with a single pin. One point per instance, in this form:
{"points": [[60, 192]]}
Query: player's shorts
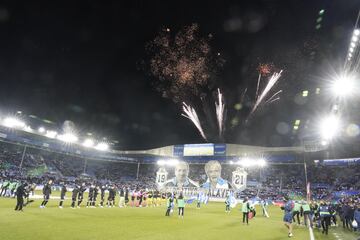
{"points": [[288, 218], [46, 196]]}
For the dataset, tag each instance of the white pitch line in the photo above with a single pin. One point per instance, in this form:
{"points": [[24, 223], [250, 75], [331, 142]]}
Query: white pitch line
{"points": [[337, 236], [310, 230], [311, 233]]}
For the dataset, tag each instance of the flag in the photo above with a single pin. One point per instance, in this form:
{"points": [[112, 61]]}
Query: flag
{"points": [[233, 201], [308, 195], [204, 198], [265, 211]]}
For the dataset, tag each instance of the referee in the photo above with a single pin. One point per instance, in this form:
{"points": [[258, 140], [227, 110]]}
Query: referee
{"points": [[20, 193]]}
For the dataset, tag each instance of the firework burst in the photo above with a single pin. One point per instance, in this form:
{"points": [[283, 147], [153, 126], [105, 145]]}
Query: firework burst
{"points": [[264, 70], [182, 64]]}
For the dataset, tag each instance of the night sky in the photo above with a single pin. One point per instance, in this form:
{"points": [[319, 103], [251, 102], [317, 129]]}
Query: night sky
{"points": [[87, 62]]}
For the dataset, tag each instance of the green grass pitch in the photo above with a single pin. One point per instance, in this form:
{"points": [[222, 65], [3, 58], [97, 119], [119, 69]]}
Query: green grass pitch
{"points": [[208, 223]]}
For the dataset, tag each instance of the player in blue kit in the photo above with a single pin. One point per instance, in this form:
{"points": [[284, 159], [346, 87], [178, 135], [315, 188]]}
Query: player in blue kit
{"points": [[288, 208]]}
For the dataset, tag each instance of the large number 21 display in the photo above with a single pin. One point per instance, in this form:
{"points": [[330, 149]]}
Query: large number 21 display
{"points": [[239, 178]]}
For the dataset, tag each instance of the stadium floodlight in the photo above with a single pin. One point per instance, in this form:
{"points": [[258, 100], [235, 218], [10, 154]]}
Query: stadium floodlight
{"points": [[172, 162], [246, 162], [343, 86], [324, 143], [329, 127], [11, 122], [357, 32], [102, 146], [261, 162], [249, 162], [51, 134], [161, 162], [28, 129], [354, 38], [42, 130], [88, 143], [68, 138]]}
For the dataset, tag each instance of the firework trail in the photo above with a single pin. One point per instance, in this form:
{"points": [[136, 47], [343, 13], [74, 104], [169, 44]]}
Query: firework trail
{"points": [[257, 87], [243, 96], [220, 107], [272, 81], [190, 113], [270, 100], [274, 100]]}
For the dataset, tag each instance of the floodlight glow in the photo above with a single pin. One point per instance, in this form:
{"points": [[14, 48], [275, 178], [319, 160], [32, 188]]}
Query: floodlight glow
{"points": [[161, 162], [172, 162], [356, 32], [102, 146], [41, 130], [329, 127], [261, 162], [343, 86], [13, 123], [324, 143], [354, 38], [28, 129], [51, 134], [350, 54], [352, 44], [88, 143], [351, 49], [68, 137], [246, 162]]}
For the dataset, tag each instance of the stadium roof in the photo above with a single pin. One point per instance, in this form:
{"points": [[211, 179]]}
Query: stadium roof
{"points": [[192, 152]]}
